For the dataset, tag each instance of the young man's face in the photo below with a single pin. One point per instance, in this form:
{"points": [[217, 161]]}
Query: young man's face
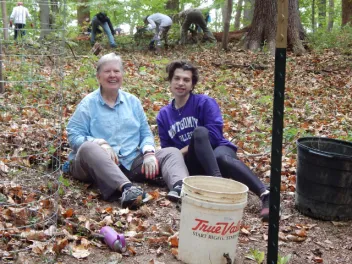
{"points": [[181, 83]]}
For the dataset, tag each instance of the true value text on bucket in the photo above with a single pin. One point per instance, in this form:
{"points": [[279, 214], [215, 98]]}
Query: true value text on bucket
{"points": [[222, 228]]}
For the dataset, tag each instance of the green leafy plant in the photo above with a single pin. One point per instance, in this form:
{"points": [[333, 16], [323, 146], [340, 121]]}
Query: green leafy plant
{"points": [[256, 255], [284, 259]]}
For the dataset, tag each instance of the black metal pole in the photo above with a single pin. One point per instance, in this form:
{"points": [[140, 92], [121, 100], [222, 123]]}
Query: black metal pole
{"points": [[277, 130]]}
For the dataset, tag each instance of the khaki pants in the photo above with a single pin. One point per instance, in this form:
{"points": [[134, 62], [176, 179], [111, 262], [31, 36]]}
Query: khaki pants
{"points": [[93, 164]]}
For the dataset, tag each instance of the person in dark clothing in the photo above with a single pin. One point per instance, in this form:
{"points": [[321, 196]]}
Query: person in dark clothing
{"points": [[193, 124], [102, 20], [195, 16]]}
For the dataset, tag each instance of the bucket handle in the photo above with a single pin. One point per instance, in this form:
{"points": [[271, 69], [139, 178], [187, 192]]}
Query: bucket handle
{"points": [[321, 154]]}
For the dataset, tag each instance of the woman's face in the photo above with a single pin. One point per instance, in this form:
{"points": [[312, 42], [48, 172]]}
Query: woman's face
{"points": [[181, 83], [110, 76]]}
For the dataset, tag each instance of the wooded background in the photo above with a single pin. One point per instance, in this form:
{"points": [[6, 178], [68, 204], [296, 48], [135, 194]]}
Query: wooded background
{"points": [[305, 16]]}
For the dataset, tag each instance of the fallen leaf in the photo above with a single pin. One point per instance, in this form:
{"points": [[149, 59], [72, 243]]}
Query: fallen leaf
{"points": [[132, 250], [284, 217], [68, 213], [318, 260], [295, 238], [80, 253], [165, 203], [301, 233], [282, 236], [60, 245], [153, 261], [173, 240], [245, 231], [339, 223], [155, 194], [174, 252]]}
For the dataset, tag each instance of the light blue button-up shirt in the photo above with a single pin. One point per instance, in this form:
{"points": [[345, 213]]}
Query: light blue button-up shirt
{"points": [[124, 126]]}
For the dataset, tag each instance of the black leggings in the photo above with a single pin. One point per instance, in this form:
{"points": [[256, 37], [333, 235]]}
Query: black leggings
{"points": [[202, 159]]}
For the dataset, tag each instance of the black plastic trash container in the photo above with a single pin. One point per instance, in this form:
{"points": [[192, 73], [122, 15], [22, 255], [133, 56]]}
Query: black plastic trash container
{"points": [[324, 178]]}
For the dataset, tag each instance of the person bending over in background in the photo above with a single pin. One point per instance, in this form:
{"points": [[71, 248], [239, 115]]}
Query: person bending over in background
{"points": [[18, 16], [102, 20], [195, 16], [112, 143], [193, 124], [162, 24]]}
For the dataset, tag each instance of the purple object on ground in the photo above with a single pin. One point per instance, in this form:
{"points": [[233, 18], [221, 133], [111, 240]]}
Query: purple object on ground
{"points": [[114, 240]]}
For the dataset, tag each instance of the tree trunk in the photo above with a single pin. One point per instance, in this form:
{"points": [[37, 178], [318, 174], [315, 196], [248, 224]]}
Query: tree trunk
{"points": [[238, 14], [224, 12], [322, 13], [225, 38], [331, 14], [313, 15], [346, 12], [5, 21], [44, 18], [83, 12], [248, 12], [295, 32], [263, 27]]}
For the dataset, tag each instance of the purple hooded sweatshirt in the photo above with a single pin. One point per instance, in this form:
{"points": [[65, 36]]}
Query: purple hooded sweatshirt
{"points": [[176, 125]]}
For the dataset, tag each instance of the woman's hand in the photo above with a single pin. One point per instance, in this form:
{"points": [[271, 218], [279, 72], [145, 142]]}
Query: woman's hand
{"points": [[105, 146], [150, 165]]}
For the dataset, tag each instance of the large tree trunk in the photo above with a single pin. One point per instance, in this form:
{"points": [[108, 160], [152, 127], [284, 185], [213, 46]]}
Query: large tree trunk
{"points": [[322, 13], [238, 14], [225, 38], [44, 18], [346, 12], [83, 12], [248, 12], [5, 21], [313, 15], [295, 33], [263, 27], [331, 14]]}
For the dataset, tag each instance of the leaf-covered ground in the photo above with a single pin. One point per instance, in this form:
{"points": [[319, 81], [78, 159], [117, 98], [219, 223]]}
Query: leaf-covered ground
{"points": [[318, 103]]}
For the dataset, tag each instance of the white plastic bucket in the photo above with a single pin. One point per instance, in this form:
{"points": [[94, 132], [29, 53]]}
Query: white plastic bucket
{"points": [[211, 215]]}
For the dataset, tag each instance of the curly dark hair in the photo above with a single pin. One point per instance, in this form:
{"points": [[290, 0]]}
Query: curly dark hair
{"points": [[186, 66]]}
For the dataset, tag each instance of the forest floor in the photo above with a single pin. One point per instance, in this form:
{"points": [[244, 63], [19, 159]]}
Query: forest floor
{"points": [[318, 101]]}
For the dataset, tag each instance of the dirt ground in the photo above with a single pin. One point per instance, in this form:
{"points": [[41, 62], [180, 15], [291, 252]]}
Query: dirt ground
{"points": [[324, 241]]}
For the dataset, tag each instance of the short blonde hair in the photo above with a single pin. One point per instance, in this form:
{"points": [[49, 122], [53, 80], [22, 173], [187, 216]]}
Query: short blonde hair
{"points": [[111, 57]]}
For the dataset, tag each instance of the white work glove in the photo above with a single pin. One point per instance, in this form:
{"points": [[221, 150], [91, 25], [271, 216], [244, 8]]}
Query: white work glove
{"points": [[150, 27], [105, 145], [150, 165]]}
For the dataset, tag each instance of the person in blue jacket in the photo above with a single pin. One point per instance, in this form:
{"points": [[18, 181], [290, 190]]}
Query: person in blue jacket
{"points": [[112, 143], [193, 123]]}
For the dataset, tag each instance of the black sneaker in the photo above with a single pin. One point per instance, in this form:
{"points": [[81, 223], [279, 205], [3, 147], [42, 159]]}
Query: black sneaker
{"points": [[175, 194], [132, 197]]}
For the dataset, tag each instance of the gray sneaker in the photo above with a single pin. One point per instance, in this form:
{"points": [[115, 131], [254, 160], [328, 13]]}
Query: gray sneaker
{"points": [[132, 197], [175, 194]]}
